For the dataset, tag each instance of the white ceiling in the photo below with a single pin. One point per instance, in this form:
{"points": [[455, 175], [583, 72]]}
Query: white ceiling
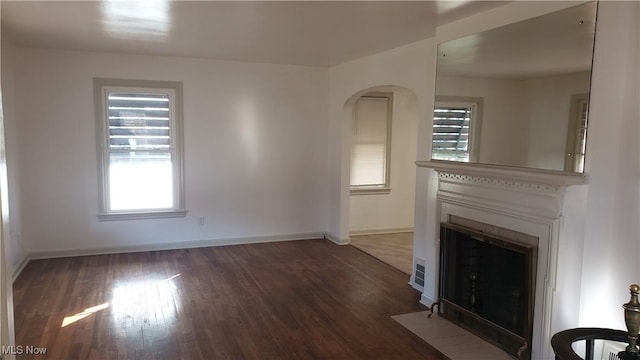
{"points": [[315, 33]]}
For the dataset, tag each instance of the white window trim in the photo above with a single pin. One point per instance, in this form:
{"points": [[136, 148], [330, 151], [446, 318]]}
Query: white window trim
{"points": [[386, 187], [362, 190], [100, 86], [574, 156], [475, 125]]}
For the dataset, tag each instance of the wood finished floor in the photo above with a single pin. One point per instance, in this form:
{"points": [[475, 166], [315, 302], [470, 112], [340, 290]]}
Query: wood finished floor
{"points": [[290, 300], [395, 249]]}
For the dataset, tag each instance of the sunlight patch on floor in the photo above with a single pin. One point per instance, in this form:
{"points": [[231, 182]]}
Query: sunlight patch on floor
{"points": [[136, 302], [68, 320]]}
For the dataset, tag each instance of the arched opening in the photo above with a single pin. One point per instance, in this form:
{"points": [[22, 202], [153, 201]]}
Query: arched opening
{"points": [[381, 222]]}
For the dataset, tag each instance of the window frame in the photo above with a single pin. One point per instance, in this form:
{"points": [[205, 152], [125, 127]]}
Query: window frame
{"points": [[575, 152], [102, 86], [475, 125], [386, 187]]}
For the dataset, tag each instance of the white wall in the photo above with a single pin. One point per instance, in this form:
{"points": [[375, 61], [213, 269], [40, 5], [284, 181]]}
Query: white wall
{"points": [[255, 150], [524, 122], [407, 67], [548, 101], [611, 260], [393, 211]]}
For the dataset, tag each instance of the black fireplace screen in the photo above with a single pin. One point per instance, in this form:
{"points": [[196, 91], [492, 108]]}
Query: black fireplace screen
{"points": [[486, 285]]}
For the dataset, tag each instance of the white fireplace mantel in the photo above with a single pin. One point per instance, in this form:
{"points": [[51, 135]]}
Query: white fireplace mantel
{"points": [[518, 174], [523, 200]]}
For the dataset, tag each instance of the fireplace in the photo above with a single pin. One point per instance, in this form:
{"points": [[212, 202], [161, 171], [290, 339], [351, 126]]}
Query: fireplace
{"points": [[536, 209], [487, 283]]}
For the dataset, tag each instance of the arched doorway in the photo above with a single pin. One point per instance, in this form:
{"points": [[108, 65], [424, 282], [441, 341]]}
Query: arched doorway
{"points": [[381, 220]]}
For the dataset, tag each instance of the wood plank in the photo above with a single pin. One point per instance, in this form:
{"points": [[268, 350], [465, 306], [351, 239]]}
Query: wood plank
{"points": [[395, 249], [289, 300]]}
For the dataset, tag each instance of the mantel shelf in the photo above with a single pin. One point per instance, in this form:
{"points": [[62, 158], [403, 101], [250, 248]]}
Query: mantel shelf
{"points": [[525, 175]]}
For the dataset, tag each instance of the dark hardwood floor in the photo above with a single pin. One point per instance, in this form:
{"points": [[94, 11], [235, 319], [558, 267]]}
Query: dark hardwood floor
{"points": [[288, 300]]}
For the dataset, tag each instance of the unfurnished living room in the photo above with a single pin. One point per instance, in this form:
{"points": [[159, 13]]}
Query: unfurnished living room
{"points": [[319, 179]]}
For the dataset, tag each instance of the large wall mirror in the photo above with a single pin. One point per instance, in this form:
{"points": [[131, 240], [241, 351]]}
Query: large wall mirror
{"points": [[517, 95]]}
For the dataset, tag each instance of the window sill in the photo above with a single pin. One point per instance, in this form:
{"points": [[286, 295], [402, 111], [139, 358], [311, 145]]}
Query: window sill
{"points": [[142, 215], [370, 191]]}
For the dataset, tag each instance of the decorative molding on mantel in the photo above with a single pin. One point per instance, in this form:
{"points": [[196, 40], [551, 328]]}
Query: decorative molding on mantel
{"points": [[499, 182], [521, 192], [506, 175]]}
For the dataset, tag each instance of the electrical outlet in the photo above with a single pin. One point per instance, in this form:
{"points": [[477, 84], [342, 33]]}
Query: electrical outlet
{"points": [[201, 221]]}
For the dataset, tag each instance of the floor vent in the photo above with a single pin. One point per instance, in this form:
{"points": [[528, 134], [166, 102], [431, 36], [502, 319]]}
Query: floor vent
{"points": [[610, 350], [418, 274]]}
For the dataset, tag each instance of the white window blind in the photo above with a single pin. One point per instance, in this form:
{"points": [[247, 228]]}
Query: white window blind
{"points": [[370, 142], [139, 121], [453, 130]]}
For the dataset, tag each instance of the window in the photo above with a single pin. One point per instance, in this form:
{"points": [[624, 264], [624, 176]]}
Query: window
{"points": [[371, 143], [456, 128], [577, 133], [139, 126]]}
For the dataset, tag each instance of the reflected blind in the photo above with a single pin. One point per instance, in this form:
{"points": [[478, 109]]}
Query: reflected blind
{"points": [[451, 125]]}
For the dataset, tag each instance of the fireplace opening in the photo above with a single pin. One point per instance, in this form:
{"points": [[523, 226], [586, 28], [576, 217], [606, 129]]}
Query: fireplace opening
{"points": [[487, 286]]}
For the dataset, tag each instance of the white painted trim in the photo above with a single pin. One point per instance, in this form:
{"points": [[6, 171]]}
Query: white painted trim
{"points": [[139, 215], [426, 301], [174, 89], [415, 286], [476, 103], [381, 231], [175, 245], [21, 265], [336, 239], [529, 202], [361, 190], [507, 173]]}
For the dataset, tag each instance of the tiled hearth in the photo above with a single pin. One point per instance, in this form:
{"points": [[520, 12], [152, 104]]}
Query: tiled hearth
{"points": [[451, 340]]}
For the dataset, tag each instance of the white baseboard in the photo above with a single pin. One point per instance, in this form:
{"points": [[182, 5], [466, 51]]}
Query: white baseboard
{"points": [[336, 239], [415, 286], [21, 265], [424, 300], [174, 245], [381, 231]]}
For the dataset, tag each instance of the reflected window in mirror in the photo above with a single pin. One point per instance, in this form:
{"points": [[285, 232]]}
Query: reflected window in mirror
{"points": [[526, 73], [577, 133], [456, 128], [371, 144]]}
